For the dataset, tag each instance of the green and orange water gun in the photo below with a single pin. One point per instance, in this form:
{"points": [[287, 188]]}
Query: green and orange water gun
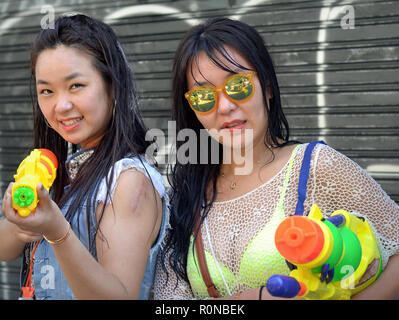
{"points": [[331, 258]]}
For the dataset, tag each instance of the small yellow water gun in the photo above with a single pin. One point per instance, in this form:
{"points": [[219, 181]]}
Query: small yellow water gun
{"points": [[332, 258], [40, 166]]}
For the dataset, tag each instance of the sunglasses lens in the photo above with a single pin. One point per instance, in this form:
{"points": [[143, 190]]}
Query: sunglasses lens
{"points": [[239, 87], [202, 99]]}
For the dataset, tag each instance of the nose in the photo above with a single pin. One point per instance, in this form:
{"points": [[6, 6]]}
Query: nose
{"points": [[224, 104], [63, 104]]}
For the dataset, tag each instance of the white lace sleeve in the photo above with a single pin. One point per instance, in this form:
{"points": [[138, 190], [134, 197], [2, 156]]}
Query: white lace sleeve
{"points": [[166, 285], [340, 183], [131, 163]]}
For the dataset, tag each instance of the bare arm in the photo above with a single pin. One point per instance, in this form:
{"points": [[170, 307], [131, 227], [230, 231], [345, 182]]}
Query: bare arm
{"points": [[11, 246], [342, 184], [126, 236], [12, 238], [384, 288], [129, 230]]}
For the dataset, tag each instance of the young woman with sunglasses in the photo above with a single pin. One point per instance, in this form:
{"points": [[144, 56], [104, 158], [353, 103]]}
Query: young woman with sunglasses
{"points": [[98, 232], [224, 82]]}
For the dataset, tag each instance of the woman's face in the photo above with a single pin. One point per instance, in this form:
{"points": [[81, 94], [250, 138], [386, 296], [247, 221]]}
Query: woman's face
{"points": [[230, 121], [72, 95]]}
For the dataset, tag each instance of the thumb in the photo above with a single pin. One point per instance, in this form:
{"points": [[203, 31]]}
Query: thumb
{"points": [[42, 193]]}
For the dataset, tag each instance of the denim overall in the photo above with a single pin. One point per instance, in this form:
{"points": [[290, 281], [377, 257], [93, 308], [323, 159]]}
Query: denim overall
{"points": [[48, 279]]}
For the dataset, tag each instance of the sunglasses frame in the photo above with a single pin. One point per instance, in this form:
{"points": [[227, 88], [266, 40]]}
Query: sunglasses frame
{"points": [[222, 88]]}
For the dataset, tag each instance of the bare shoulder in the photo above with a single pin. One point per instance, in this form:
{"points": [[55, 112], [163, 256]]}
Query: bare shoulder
{"points": [[135, 187], [135, 203], [135, 196], [284, 153], [134, 178]]}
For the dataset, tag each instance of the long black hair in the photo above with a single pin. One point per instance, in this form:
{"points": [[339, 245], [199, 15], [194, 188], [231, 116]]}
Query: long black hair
{"points": [[191, 182], [126, 131]]}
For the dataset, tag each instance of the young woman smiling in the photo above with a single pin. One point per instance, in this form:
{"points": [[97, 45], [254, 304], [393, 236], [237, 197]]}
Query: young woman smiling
{"points": [[97, 235]]}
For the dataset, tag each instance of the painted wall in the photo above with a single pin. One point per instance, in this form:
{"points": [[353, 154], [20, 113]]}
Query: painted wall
{"points": [[337, 63]]}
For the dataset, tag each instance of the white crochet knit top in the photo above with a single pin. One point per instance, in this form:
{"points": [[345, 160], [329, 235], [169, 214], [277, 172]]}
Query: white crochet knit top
{"points": [[335, 182]]}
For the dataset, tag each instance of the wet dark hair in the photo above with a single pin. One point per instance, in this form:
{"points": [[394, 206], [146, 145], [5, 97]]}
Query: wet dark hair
{"points": [[191, 182], [125, 132]]}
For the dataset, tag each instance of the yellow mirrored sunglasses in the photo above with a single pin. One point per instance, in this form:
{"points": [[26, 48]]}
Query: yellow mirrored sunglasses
{"points": [[237, 88]]}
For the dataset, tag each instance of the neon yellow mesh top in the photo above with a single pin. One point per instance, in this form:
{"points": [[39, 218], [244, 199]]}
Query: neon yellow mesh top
{"points": [[238, 234]]}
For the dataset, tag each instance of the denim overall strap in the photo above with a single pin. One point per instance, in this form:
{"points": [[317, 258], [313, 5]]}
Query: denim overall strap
{"points": [[303, 176]]}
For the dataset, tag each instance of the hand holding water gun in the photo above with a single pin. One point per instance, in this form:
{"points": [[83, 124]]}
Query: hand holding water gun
{"points": [[330, 258], [40, 166]]}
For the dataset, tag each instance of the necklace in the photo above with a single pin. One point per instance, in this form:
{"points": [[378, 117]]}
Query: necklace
{"points": [[233, 184], [75, 160]]}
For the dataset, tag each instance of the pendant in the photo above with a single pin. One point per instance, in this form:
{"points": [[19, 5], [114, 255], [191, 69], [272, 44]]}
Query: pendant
{"points": [[232, 185]]}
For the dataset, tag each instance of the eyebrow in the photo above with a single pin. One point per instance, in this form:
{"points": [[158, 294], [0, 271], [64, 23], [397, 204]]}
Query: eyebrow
{"points": [[235, 71], [67, 78]]}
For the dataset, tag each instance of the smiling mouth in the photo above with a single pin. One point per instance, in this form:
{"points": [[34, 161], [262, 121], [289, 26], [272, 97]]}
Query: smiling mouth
{"points": [[71, 122]]}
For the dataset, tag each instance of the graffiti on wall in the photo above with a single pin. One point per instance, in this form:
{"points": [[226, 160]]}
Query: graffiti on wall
{"points": [[329, 13]]}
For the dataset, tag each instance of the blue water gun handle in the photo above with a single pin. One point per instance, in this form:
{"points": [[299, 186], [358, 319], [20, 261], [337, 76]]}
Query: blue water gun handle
{"points": [[283, 286]]}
